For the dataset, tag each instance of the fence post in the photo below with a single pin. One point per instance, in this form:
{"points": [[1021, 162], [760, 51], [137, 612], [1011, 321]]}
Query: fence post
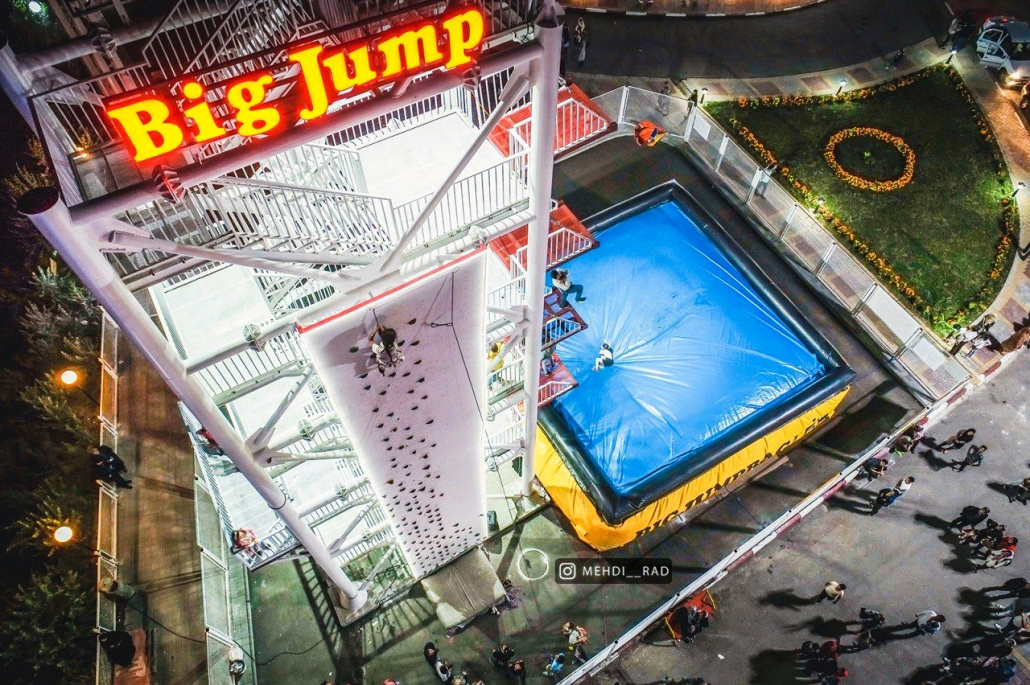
{"points": [[691, 116], [755, 181], [622, 105], [725, 143], [786, 222], [827, 253], [865, 298]]}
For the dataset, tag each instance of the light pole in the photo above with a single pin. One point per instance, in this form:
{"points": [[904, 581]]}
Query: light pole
{"points": [[65, 534], [704, 89], [951, 56], [71, 378], [1019, 186], [840, 86]]}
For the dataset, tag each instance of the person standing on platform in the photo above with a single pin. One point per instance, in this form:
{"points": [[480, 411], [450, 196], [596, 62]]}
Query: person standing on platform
{"points": [[560, 279]]}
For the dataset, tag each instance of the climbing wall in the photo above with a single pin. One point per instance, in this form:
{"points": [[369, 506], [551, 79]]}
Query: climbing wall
{"points": [[417, 429]]}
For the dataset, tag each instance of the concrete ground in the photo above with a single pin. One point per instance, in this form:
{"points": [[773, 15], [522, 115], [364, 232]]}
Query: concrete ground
{"points": [[157, 540], [899, 562], [298, 641]]}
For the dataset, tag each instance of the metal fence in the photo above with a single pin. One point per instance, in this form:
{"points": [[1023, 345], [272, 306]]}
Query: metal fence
{"points": [[907, 344], [107, 501]]}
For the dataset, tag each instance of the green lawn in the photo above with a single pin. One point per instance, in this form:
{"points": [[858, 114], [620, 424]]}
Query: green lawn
{"points": [[942, 232]]}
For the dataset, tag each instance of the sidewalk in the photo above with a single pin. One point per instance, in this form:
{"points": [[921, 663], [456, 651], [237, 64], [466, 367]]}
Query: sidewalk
{"points": [[691, 8], [157, 542]]}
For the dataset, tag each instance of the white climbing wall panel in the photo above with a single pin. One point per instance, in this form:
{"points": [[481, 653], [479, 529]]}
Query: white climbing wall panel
{"points": [[418, 429]]}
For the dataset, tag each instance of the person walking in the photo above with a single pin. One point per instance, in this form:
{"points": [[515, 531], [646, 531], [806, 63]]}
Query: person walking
{"points": [[960, 439], [1018, 491], [896, 61], [560, 279], [833, 591], [970, 516], [107, 469], [870, 618], [903, 486], [501, 656], [928, 622], [431, 655], [517, 671], [974, 457], [997, 559], [444, 670], [580, 41], [883, 499], [555, 666]]}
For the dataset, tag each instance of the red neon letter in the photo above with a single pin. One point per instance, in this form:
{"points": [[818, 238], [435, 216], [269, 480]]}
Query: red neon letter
{"points": [[245, 97], [314, 84], [410, 50], [200, 114], [464, 35], [147, 129], [345, 62]]}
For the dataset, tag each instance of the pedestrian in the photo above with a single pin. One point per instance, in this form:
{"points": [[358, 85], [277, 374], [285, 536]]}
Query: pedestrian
{"points": [[928, 622], [870, 618], [877, 466], [431, 655], [663, 99], [953, 28], [444, 670], [501, 656], [835, 677], [829, 649], [960, 439], [896, 61], [580, 40], [108, 456], [833, 591], [808, 650], [863, 642], [560, 279], [883, 499], [1018, 339], [517, 671], [903, 486], [555, 666], [1019, 491], [118, 647], [990, 534], [996, 560], [974, 457], [970, 516], [107, 469], [980, 341]]}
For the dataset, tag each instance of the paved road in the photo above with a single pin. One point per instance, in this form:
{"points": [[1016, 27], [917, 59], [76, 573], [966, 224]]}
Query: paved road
{"points": [[899, 562], [825, 36]]}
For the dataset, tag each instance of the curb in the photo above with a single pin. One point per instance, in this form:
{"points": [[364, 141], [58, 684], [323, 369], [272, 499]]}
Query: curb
{"points": [[682, 15]]}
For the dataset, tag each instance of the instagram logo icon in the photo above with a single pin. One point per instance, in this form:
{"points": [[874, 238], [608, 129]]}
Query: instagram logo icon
{"points": [[566, 571]]}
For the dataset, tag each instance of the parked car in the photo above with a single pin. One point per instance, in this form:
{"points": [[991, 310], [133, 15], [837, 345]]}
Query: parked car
{"points": [[1004, 44]]}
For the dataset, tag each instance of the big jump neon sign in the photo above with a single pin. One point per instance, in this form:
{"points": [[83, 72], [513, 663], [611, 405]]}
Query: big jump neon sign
{"points": [[153, 126]]}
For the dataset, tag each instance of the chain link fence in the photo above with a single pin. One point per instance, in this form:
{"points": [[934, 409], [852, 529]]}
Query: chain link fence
{"points": [[908, 345]]}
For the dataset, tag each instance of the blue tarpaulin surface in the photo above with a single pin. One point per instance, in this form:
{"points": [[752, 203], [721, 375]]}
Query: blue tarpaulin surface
{"points": [[696, 348]]}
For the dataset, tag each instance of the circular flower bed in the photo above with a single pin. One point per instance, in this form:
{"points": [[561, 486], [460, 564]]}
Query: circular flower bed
{"points": [[829, 154]]}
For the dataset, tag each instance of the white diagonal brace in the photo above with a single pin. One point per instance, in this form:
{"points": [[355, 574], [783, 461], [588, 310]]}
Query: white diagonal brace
{"points": [[122, 239], [334, 549], [261, 436], [512, 91]]}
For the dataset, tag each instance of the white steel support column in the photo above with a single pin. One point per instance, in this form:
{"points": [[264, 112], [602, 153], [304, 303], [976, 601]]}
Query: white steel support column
{"points": [[80, 249], [543, 124]]}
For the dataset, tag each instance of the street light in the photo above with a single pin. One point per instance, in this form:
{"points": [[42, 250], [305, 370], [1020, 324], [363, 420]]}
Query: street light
{"points": [[1019, 186], [36, 7], [840, 85], [71, 378], [64, 534], [704, 89], [951, 56]]}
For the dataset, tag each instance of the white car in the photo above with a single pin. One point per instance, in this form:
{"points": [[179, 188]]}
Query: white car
{"points": [[1004, 44]]}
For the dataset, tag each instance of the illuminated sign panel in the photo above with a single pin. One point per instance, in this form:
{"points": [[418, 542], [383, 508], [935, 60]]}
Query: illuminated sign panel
{"points": [[153, 126]]}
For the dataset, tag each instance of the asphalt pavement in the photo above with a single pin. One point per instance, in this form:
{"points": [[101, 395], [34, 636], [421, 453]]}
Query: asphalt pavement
{"points": [[825, 36], [899, 562]]}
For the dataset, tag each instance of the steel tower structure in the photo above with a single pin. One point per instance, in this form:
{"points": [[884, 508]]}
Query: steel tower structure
{"points": [[294, 214]]}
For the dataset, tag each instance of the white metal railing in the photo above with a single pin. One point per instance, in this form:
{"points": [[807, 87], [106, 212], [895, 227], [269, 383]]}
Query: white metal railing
{"points": [[76, 110], [558, 328], [106, 617], [907, 343], [577, 122], [468, 201], [553, 388], [563, 244]]}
